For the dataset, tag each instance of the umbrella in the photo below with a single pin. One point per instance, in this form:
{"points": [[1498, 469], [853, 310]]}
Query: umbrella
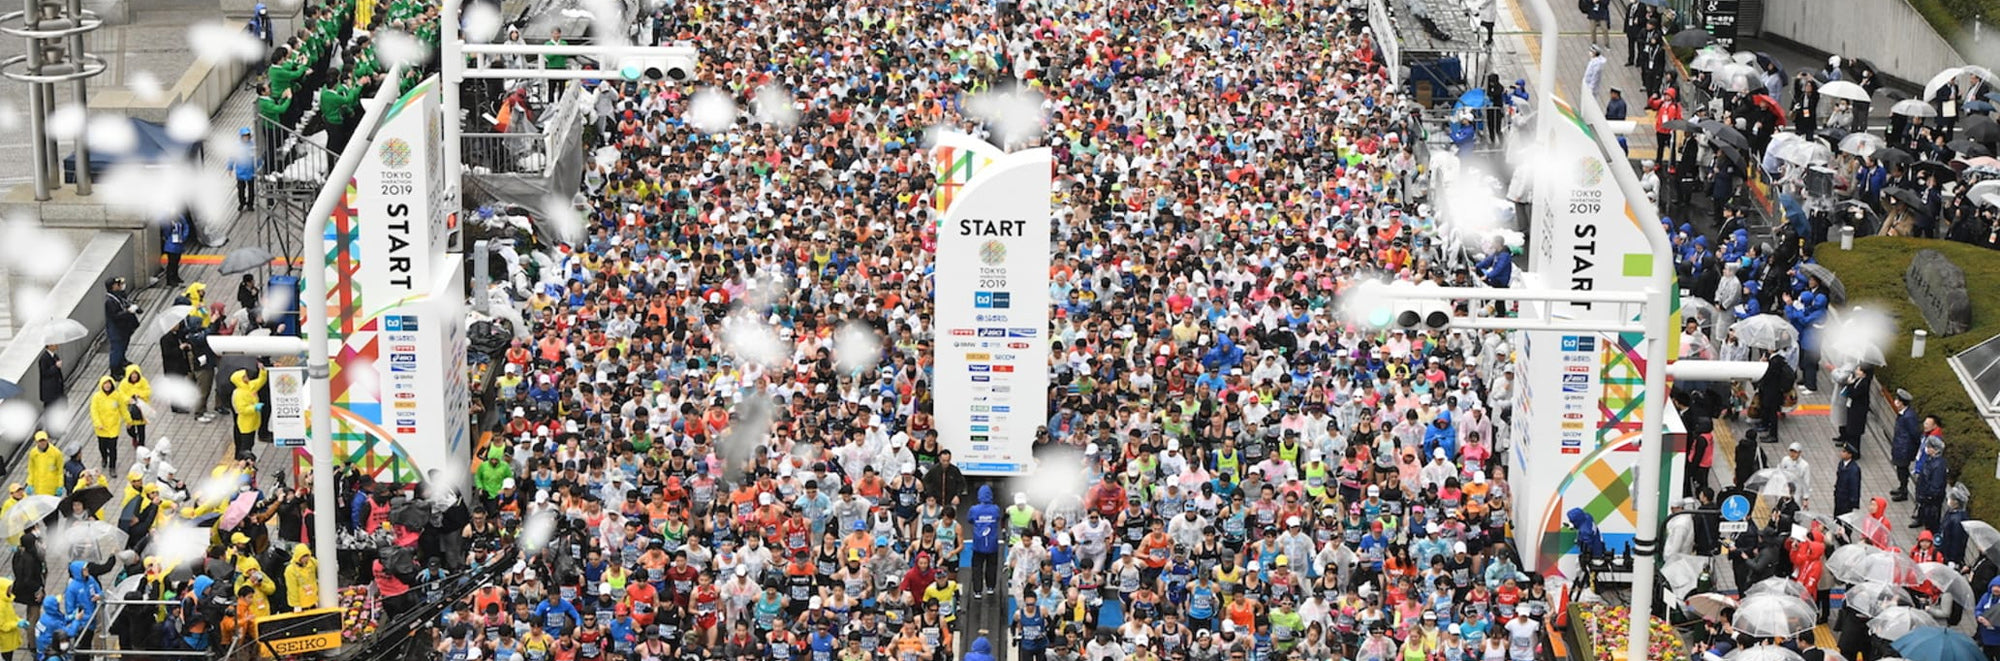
{"points": [[1942, 171], [1862, 144], [1766, 102], [1980, 106], [1835, 292], [1769, 482], [1731, 152], [1743, 57], [1984, 538], [1776, 585], [1907, 197], [30, 511], [1871, 598], [90, 540], [1948, 581], [238, 509], [1681, 125], [1882, 566], [1938, 644], [1725, 134], [1769, 332], [1896, 621], [1709, 60], [165, 322], [1765, 59], [1832, 134], [1842, 559], [1861, 216], [1966, 147], [1952, 73], [245, 260], [1763, 653], [1894, 94], [1773, 616], [1802, 152], [1737, 77], [1683, 573], [1979, 128], [1690, 38], [1982, 189], [1893, 156], [62, 331], [1913, 108], [1841, 89], [9, 389], [1710, 605], [92, 498]]}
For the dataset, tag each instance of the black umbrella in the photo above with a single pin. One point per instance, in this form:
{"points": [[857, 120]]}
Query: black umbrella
{"points": [[1725, 134], [1933, 168], [1895, 94], [1979, 128], [1833, 134], [1681, 125], [1968, 148], [91, 497], [9, 389], [1864, 219], [1908, 198], [1894, 156], [1733, 154], [1690, 38]]}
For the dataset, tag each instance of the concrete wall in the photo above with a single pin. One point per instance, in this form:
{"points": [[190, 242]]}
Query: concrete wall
{"points": [[204, 84], [78, 295], [1887, 32]]}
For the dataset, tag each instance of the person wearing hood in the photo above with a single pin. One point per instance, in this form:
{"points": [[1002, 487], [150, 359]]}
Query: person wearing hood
{"points": [[10, 624], [54, 622], [135, 392], [1440, 435], [982, 650], [1589, 542], [249, 411], [45, 466], [985, 518], [302, 579], [493, 473], [30, 569], [107, 419], [1987, 614], [81, 596]]}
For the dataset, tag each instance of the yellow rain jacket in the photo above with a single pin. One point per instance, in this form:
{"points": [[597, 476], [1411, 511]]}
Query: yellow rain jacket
{"points": [[244, 400], [10, 624], [45, 467], [302, 579], [194, 295], [107, 410], [140, 391]]}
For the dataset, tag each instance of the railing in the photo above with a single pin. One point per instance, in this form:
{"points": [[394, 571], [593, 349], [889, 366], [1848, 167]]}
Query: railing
{"points": [[286, 155], [235, 650], [505, 153], [1757, 184]]}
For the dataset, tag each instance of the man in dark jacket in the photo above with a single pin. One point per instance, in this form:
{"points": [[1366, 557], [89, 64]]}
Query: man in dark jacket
{"points": [[944, 480], [1771, 392], [30, 570], [1903, 445], [1856, 393], [1931, 484], [1846, 483], [121, 319], [49, 366]]}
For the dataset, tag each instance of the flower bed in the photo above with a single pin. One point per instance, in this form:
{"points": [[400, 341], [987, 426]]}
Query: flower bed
{"points": [[361, 612], [1597, 633]]}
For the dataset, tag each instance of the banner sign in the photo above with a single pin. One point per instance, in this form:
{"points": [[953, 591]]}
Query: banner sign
{"points": [[288, 406], [992, 296]]}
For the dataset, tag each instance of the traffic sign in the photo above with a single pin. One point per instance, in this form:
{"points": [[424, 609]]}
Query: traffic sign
{"points": [[1735, 508]]}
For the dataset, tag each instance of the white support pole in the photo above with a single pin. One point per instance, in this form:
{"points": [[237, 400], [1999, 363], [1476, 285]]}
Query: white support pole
{"points": [[1646, 477], [1392, 290], [1510, 323], [1717, 370], [318, 372], [603, 50], [451, 51], [543, 74], [1545, 76], [256, 345]]}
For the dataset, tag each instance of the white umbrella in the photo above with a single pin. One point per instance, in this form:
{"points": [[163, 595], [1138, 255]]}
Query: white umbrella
{"points": [[1709, 60], [1769, 483], [1764, 653], [1737, 77], [1949, 74], [1948, 581], [1711, 604], [1895, 621], [1873, 597], [1843, 559], [165, 322], [1774, 616], [1861, 144], [1803, 152], [1743, 57], [1913, 108], [1841, 89], [1768, 332], [30, 511], [1683, 573], [1882, 566], [1776, 585], [1984, 188], [63, 331], [90, 540]]}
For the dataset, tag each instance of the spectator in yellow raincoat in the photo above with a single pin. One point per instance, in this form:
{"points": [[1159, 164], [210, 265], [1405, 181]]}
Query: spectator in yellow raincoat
{"points": [[302, 579], [45, 466], [107, 419], [138, 395], [193, 298], [10, 622], [249, 411]]}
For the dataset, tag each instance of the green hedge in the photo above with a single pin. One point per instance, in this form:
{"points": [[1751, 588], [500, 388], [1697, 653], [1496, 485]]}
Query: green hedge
{"points": [[1949, 16], [1873, 274]]}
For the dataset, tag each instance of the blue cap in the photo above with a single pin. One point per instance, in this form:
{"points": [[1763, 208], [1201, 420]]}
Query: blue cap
{"points": [[243, 131]]}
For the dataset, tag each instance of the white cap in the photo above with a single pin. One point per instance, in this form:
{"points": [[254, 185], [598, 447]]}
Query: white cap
{"points": [[1291, 521], [1795, 447], [1458, 547], [1020, 499]]}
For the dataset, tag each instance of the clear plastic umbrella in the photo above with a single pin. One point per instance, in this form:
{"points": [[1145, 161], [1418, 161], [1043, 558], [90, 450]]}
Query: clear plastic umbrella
{"points": [[1769, 332], [1871, 598], [90, 541], [165, 322], [30, 511], [1710, 605], [1802, 152], [64, 331], [1737, 77], [1862, 144], [1843, 559], [1952, 73], [1841, 89], [1913, 108], [1683, 573], [1709, 59], [1769, 482], [1776, 585], [1949, 582], [1895, 621], [1984, 538], [1764, 653], [1774, 616], [1883, 566]]}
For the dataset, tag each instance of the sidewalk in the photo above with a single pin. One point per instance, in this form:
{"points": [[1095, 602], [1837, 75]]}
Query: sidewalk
{"points": [[1518, 51]]}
